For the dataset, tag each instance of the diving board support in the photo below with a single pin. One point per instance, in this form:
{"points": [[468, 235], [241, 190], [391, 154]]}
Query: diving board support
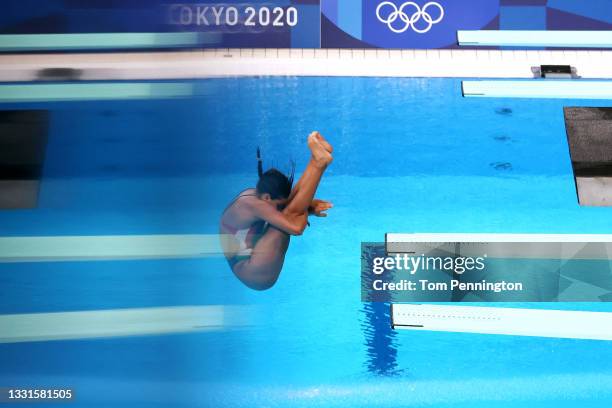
{"points": [[590, 147], [535, 38], [506, 321], [108, 247], [16, 328]]}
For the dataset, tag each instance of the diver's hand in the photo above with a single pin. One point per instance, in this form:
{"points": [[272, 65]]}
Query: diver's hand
{"points": [[318, 207]]}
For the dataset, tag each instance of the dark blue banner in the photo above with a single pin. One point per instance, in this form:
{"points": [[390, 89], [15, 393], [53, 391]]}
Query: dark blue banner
{"points": [[224, 24], [425, 24], [417, 24]]}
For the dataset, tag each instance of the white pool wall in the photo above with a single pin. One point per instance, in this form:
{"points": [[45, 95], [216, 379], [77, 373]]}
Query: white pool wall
{"points": [[306, 62]]}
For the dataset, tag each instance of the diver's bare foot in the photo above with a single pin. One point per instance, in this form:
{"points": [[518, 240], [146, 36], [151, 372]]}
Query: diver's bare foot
{"points": [[320, 155], [324, 142]]}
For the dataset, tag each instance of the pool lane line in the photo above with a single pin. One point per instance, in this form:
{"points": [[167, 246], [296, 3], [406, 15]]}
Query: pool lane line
{"points": [[568, 324], [16, 328], [108, 247]]}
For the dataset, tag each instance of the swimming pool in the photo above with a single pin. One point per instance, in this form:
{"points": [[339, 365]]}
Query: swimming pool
{"points": [[411, 155]]}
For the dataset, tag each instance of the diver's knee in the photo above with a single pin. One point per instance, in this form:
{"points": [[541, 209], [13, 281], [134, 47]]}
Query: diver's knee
{"points": [[261, 280], [262, 285]]}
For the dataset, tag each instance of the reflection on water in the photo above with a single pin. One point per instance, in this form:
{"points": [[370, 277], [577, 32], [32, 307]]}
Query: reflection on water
{"points": [[380, 341]]}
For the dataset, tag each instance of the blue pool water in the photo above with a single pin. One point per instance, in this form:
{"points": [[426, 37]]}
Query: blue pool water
{"points": [[411, 155]]}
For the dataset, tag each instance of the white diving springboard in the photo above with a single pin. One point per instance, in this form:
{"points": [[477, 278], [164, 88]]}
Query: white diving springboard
{"points": [[88, 41], [88, 324], [34, 92], [524, 246], [535, 38], [538, 88], [108, 247], [495, 237], [507, 321]]}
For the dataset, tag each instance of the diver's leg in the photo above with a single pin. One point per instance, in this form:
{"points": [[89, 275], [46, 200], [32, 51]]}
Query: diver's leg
{"points": [[311, 177], [319, 138], [314, 136], [261, 270]]}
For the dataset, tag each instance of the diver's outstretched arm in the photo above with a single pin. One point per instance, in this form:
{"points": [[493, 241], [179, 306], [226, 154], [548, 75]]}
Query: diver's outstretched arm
{"points": [[290, 225], [318, 207]]}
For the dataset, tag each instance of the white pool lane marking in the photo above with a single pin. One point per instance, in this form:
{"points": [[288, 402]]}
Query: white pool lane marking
{"points": [[541, 88], [508, 321], [539, 38], [16, 328], [108, 247]]}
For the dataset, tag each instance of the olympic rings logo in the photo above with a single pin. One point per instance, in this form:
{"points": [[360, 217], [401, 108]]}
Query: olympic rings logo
{"points": [[409, 20]]}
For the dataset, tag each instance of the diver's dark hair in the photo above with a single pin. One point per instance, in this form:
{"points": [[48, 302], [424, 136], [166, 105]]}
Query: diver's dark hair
{"points": [[274, 182]]}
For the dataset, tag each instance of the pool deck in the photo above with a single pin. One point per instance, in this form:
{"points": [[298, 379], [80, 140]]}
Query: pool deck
{"points": [[304, 62]]}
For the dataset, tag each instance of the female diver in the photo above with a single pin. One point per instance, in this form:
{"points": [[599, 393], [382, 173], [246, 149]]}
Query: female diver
{"points": [[256, 226]]}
